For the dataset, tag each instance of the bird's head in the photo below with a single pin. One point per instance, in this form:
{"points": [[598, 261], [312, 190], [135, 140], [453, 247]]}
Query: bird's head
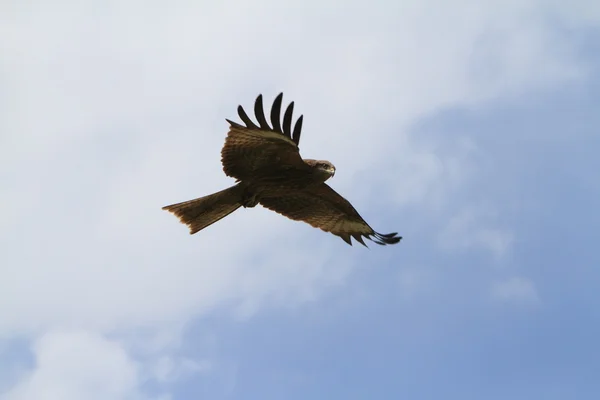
{"points": [[325, 169]]}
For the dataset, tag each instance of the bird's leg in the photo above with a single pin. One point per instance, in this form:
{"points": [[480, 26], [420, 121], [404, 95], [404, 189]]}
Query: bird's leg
{"points": [[249, 198]]}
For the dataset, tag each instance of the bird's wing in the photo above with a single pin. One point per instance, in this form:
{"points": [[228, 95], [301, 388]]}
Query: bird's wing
{"points": [[322, 207], [250, 148]]}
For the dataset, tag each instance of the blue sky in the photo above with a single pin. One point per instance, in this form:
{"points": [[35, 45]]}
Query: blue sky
{"points": [[471, 129]]}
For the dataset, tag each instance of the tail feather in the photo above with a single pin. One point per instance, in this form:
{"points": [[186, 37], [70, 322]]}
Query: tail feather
{"points": [[199, 213]]}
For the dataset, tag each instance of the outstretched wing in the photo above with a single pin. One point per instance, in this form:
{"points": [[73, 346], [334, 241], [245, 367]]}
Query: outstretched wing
{"points": [[322, 207], [250, 148]]}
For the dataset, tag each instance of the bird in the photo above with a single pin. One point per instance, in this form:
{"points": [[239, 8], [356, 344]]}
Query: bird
{"points": [[266, 164]]}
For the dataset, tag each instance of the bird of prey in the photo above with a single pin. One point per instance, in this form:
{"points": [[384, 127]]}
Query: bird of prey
{"points": [[266, 163]]}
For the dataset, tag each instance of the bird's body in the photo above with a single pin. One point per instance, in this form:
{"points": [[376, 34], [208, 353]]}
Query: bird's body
{"points": [[269, 170]]}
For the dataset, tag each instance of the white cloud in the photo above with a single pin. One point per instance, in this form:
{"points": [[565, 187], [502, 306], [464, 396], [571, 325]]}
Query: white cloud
{"points": [[516, 290], [72, 365], [474, 228], [169, 369], [109, 112]]}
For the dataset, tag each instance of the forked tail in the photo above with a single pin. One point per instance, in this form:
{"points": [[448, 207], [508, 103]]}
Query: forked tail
{"points": [[199, 213]]}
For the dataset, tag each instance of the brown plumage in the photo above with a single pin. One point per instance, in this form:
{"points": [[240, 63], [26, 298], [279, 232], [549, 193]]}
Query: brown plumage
{"points": [[265, 161]]}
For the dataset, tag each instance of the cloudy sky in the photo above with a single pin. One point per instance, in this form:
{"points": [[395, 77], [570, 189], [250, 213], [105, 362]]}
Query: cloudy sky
{"points": [[469, 127]]}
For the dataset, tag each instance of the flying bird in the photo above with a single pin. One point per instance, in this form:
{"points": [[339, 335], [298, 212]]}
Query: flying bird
{"points": [[266, 163]]}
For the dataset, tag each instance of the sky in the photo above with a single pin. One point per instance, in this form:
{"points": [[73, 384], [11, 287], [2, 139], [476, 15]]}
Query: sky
{"points": [[471, 128]]}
